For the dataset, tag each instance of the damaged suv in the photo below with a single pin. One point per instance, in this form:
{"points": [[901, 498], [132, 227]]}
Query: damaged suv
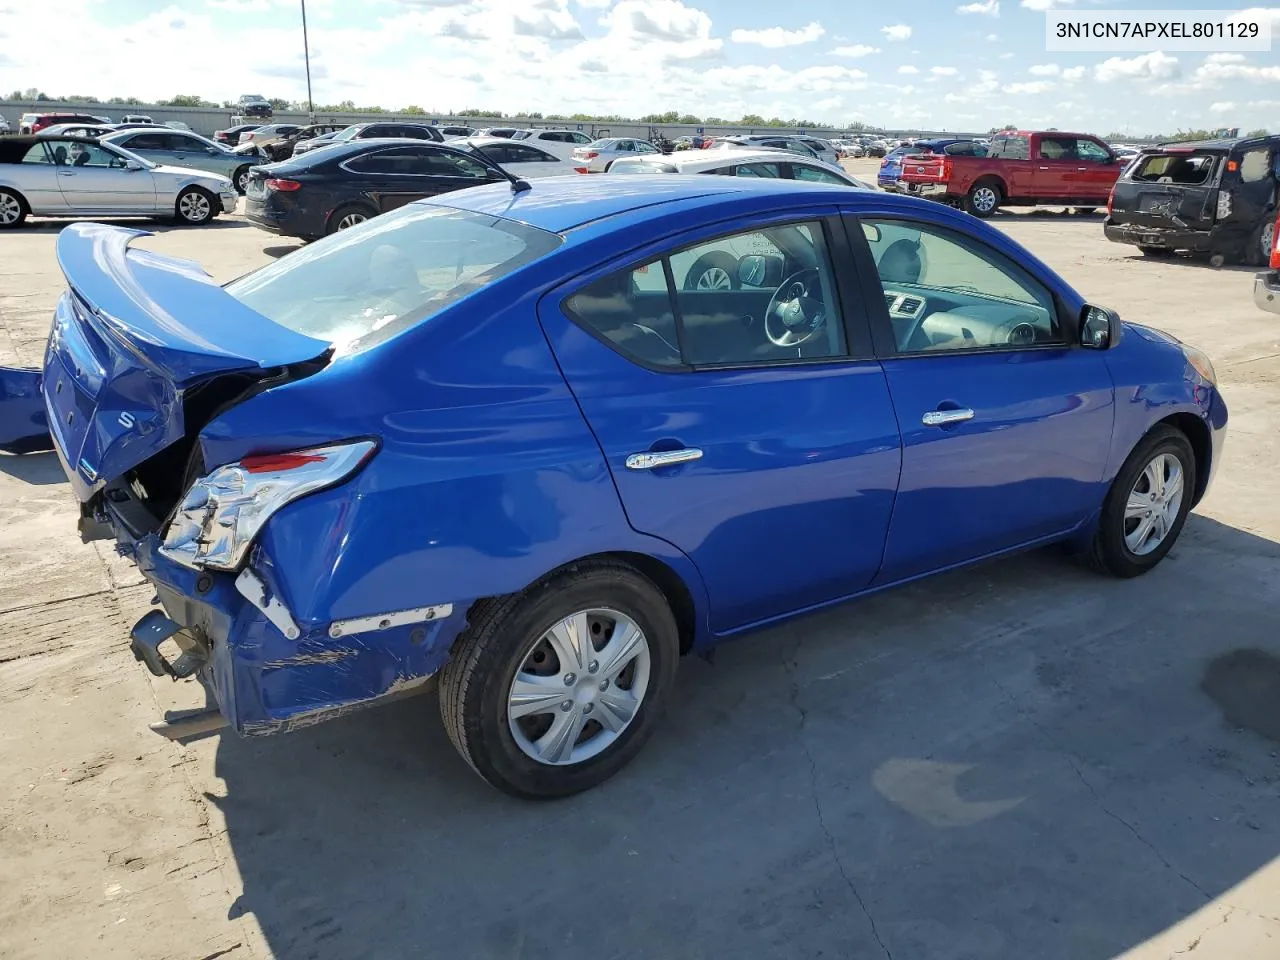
{"points": [[1215, 197]]}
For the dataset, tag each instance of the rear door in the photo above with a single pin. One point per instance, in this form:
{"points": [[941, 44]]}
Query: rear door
{"points": [[1171, 187], [526, 161], [1006, 424], [772, 467], [1056, 176]]}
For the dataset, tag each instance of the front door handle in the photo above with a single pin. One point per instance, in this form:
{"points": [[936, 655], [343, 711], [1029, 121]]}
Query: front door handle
{"points": [[1044, 168], [65, 173], [1082, 169], [940, 418], [651, 459]]}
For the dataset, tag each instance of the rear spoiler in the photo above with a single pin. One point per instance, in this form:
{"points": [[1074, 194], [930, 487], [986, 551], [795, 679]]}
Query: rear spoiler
{"points": [[168, 312]]}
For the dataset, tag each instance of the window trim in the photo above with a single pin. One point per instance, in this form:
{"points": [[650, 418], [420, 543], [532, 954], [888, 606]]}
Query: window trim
{"points": [[882, 334], [856, 322]]}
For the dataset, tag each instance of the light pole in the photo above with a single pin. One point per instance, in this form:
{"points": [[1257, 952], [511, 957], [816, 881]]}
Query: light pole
{"points": [[306, 56]]}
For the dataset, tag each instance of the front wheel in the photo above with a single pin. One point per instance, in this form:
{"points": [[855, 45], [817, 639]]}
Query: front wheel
{"points": [[983, 199], [554, 690], [1147, 505], [195, 206], [241, 179]]}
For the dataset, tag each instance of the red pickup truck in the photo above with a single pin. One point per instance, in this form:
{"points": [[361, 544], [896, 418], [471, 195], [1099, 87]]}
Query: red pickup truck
{"points": [[1026, 168]]}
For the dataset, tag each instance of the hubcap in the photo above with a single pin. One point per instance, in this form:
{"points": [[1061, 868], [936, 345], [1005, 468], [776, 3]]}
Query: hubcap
{"points": [[984, 198], [350, 220], [10, 209], [579, 687], [242, 180], [1153, 504], [194, 206], [714, 278]]}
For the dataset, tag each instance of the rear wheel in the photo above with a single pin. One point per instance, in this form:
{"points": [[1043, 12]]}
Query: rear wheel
{"points": [[554, 690], [1258, 253], [241, 179], [195, 206], [1147, 505], [13, 209], [347, 216], [983, 199]]}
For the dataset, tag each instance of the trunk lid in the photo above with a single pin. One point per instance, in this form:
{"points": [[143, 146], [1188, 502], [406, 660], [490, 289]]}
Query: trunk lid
{"points": [[1173, 187], [132, 337]]}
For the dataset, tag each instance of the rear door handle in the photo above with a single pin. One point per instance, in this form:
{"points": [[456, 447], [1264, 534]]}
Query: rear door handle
{"points": [[65, 173], [1082, 169], [651, 459], [940, 418], [1044, 168]]}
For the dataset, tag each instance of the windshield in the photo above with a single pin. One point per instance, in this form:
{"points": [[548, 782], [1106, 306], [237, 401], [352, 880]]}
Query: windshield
{"points": [[348, 132], [363, 285]]}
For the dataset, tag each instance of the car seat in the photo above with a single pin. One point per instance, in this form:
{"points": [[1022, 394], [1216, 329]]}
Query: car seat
{"points": [[901, 263], [60, 156]]}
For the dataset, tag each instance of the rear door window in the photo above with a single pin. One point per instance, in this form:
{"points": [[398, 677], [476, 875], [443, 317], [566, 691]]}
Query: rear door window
{"points": [[1255, 165], [769, 171], [802, 171], [1011, 148]]}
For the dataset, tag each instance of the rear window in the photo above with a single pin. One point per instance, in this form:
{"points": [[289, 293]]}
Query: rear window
{"points": [[361, 286], [1185, 168], [1010, 148]]}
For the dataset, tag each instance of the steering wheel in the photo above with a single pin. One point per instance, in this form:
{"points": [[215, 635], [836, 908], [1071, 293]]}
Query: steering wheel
{"points": [[796, 312]]}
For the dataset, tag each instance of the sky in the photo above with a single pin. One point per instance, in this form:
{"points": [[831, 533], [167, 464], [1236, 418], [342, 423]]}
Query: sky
{"points": [[937, 64]]}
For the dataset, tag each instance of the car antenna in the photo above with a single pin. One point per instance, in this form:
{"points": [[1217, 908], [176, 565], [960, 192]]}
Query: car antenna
{"points": [[517, 184]]}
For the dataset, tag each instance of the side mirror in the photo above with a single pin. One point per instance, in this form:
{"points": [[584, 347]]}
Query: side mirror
{"points": [[871, 232], [756, 270], [1099, 327], [132, 165]]}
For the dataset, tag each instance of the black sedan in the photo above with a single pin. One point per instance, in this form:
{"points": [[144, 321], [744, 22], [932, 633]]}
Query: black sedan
{"points": [[328, 190]]}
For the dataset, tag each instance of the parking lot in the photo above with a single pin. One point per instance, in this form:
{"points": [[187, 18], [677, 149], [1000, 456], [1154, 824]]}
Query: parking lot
{"points": [[1018, 760]]}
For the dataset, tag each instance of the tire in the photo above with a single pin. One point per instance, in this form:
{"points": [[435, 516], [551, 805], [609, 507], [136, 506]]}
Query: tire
{"points": [[13, 209], [1156, 251], [1110, 552], [348, 215], [716, 270], [983, 199], [505, 636], [195, 207], [241, 179], [1258, 253]]}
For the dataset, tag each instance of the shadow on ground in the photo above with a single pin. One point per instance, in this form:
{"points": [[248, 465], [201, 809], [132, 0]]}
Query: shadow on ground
{"points": [[1020, 760], [34, 468], [224, 221]]}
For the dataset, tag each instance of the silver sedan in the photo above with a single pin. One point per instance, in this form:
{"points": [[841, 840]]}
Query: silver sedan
{"points": [[76, 177], [177, 148]]}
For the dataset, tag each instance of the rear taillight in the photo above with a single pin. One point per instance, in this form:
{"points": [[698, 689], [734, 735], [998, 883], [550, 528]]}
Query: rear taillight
{"points": [[284, 186], [1224, 204], [580, 170], [1111, 200], [946, 169], [590, 154], [1275, 246], [221, 513]]}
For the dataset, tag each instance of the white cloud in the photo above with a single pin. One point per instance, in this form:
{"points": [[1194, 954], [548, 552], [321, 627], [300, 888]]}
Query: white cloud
{"points": [[1214, 71], [944, 71], [1046, 4], [1261, 13], [595, 4], [1034, 86], [1225, 58], [908, 68], [1222, 106], [1073, 74], [241, 6], [1045, 70], [898, 31], [984, 8], [856, 50], [992, 37], [1007, 55], [1145, 66], [684, 33], [774, 37]]}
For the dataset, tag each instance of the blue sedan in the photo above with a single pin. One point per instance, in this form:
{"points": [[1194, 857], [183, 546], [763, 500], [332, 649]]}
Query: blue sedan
{"points": [[505, 441]]}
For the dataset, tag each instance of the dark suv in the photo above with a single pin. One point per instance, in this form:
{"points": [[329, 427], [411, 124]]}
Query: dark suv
{"points": [[379, 129], [254, 105], [1210, 196]]}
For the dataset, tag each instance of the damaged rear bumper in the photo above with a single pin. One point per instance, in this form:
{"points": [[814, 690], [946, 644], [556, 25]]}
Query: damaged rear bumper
{"points": [[1167, 238], [268, 673]]}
